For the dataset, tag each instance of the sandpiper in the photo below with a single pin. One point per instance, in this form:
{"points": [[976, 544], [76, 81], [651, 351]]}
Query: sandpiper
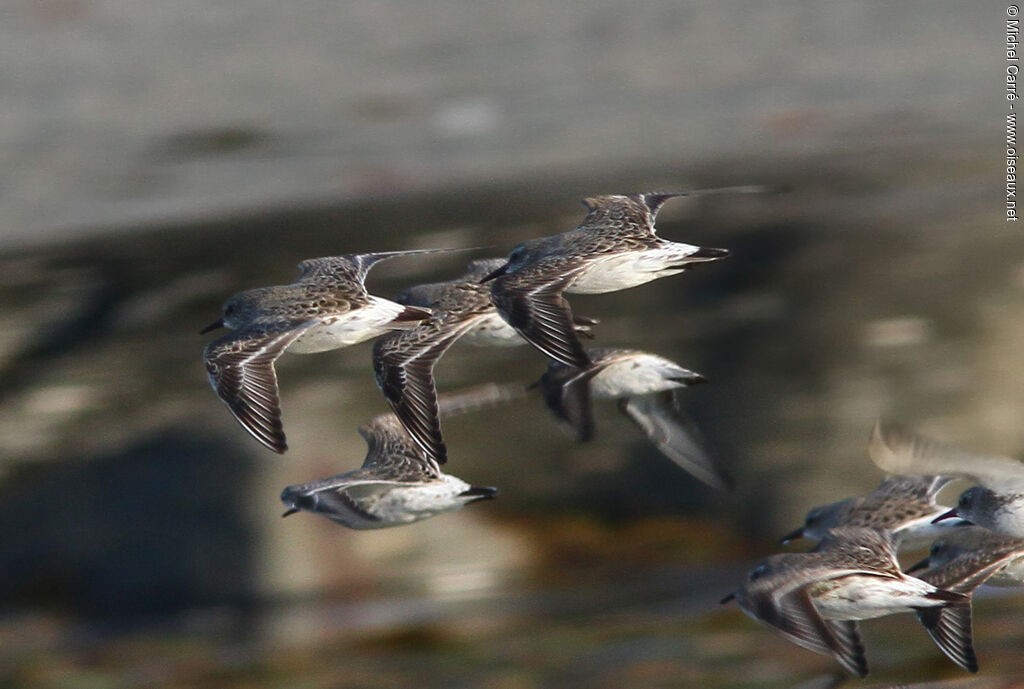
{"points": [[397, 484], [327, 307], [997, 503], [962, 561], [404, 360], [976, 555], [645, 386], [814, 599], [903, 505], [488, 332], [615, 247]]}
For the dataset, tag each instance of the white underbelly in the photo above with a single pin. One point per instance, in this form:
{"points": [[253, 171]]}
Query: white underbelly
{"points": [[867, 597], [639, 375], [629, 269], [419, 501], [350, 328], [921, 531]]}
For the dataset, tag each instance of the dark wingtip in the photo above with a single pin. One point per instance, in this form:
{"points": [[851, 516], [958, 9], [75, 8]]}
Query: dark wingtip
{"points": [[413, 314], [219, 323], [655, 200], [708, 254], [480, 492], [585, 431], [947, 596], [723, 481], [792, 536], [692, 379], [275, 443], [950, 629], [917, 566]]}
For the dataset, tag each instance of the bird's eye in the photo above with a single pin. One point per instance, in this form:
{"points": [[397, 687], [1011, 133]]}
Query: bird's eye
{"points": [[306, 502]]}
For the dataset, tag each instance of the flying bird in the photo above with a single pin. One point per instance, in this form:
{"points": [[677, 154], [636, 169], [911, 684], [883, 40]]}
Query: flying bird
{"points": [[398, 482], [615, 247], [997, 503], [815, 599], [404, 360], [327, 307], [902, 505], [962, 561], [645, 386]]}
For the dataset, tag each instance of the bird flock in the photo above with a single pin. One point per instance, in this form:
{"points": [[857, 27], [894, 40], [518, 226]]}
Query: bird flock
{"points": [[813, 598], [497, 302]]}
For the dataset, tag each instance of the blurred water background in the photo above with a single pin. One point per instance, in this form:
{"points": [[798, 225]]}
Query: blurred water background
{"points": [[158, 157]]}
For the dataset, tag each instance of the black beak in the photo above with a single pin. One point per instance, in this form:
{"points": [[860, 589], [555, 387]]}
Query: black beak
{"points": [[730, 597], [219, 323], [946, 515], [694, 379], [792, 536], [290, 511], [480, 492], [495, 274], [705, 254], [917, 566]]}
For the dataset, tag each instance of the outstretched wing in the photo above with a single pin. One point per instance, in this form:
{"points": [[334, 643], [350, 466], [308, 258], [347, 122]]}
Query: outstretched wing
{"points": [[655, 200], [404, 365], [791, 612], [478, 397], [950, 629], [352, 267], [240, 367], [898, 450], [675, 435], [531, 302], [566, 392], [391, 452]]}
